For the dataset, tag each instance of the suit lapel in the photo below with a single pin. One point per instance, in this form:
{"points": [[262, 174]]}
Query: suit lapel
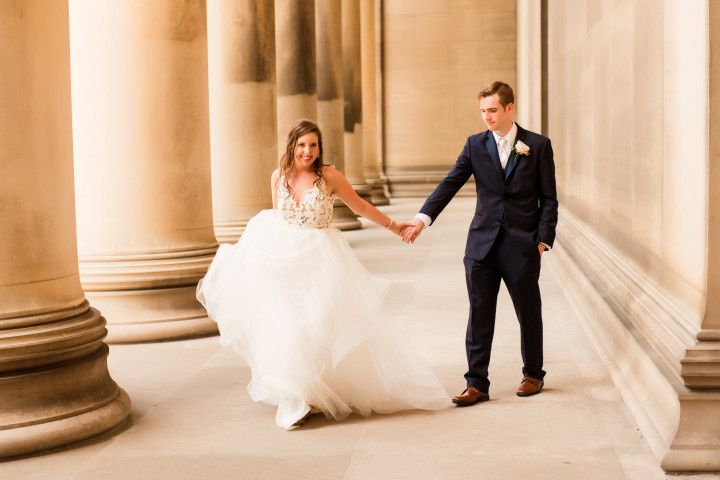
{"points": [[491, 147], [514, 158]]}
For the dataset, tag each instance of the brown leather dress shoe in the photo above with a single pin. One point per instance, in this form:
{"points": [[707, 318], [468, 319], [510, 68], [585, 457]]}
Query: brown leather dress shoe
{"points": [[470, 396], [529, 386]]}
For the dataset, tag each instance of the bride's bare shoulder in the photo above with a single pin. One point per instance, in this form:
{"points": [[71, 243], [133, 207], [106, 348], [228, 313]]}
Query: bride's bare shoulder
{"points": [[330, 177], [330, 172]]}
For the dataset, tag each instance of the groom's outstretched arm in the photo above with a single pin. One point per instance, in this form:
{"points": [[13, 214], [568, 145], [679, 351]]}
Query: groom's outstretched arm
{"points": [[448, 187], [548, 196]]}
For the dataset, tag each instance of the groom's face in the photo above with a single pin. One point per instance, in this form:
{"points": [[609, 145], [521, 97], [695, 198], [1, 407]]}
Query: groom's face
{"points": [[496, 117]]}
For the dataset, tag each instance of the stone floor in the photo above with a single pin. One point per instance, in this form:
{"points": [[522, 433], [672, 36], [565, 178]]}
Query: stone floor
{"points": [[193, 419]]}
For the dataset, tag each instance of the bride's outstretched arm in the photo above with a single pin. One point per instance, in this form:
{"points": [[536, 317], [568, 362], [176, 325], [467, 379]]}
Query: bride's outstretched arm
{"points": [[339, 185]]}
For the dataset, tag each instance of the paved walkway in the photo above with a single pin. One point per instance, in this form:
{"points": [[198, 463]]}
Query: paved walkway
{"points": [[193, 419]]}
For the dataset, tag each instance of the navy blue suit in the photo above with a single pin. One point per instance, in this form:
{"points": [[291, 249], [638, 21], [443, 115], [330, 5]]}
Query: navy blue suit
{"points": [[516, 209]]}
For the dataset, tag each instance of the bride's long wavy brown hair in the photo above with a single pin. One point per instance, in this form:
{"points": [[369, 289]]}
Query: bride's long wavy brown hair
{"points": [[300, 128]]}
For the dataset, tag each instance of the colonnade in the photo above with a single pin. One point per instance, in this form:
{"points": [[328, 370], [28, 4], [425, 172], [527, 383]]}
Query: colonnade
{"points": [[177, 128], [138, 135]]}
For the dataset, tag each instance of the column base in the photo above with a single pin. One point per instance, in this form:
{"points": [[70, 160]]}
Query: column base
{"points": [[152, 315], [149, 297], [57, 405], [229, 232], [701, 365], [421, 183], [696, 444], [631, 324], [362, 189], [377, 192]]}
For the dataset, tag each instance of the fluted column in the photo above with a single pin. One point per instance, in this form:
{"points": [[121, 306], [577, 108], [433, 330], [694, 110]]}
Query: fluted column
{"points": [[352, 91], [328, 24], [295, 60], [369, 103], [54, 384], [243, 133], [142, 165]]}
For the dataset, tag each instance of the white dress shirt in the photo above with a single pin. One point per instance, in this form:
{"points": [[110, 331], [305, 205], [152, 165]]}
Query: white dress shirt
{"points": [[505, 149]]}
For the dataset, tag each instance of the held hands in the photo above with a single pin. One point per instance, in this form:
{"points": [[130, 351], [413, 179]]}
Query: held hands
{"points": [[411, 232], [398, 227]]}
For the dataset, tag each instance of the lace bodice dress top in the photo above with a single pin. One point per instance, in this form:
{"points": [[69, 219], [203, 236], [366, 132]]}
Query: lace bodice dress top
{"points": [[314, 209]]}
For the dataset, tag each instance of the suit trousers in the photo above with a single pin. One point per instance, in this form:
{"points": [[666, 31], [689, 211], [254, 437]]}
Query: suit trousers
{"points": [[517, 264]]}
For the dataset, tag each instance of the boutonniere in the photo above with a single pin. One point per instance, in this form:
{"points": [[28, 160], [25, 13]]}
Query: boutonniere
{"points": [[521, 149]]}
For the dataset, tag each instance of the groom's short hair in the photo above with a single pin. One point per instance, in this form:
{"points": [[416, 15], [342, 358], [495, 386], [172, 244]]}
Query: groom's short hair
{"points": [[504, 91]]}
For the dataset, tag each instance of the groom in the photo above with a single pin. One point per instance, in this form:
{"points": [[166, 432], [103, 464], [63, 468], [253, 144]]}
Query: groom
{"points": [[514, 223]]}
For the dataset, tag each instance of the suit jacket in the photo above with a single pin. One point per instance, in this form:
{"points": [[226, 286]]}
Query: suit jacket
{"points": [[523, 199]]}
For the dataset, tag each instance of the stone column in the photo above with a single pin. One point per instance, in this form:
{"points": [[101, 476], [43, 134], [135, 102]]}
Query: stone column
{"points": [[243, 133], [54, 384], [296, 68], [528, 94], [697, 440], [142, 165], [352, 86], [380, 95], [701, 365], [369, 103], [328, 24]]}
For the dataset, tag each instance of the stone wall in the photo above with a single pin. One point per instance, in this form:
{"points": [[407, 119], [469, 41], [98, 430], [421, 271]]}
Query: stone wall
{"points": [[628, 119], [628, 113]]}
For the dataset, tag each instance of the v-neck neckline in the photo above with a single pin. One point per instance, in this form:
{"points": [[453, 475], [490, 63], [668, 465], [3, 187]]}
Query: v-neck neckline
{"points": [[304, 194]]}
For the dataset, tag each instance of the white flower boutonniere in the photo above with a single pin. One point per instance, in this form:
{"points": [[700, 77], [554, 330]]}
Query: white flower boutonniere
{"points": [[521, 149]]}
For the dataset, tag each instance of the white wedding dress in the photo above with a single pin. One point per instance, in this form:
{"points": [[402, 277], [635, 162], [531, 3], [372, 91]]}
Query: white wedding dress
{"points": [[293, 300]]}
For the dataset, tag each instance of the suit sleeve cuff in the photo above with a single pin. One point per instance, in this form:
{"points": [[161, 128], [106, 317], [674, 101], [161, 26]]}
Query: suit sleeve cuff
{"points": [[424, 219], [547, 247]]}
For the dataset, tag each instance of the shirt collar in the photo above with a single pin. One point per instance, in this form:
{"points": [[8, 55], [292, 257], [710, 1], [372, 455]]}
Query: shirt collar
{"points": [[510, 136]]}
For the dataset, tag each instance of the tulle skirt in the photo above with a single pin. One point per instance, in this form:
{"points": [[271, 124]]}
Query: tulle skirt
{"points": [[307, 318]]}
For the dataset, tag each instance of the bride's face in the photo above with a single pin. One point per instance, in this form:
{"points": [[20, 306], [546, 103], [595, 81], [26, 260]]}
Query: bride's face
{"points": [[306, 150]]}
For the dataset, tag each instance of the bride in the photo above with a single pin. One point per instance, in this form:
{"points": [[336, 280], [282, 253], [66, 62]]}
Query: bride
{"points": [[293, 300]]}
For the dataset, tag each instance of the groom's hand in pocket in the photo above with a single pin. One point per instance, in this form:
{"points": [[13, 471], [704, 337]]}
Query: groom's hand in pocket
{"points": [[411, 233]]}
